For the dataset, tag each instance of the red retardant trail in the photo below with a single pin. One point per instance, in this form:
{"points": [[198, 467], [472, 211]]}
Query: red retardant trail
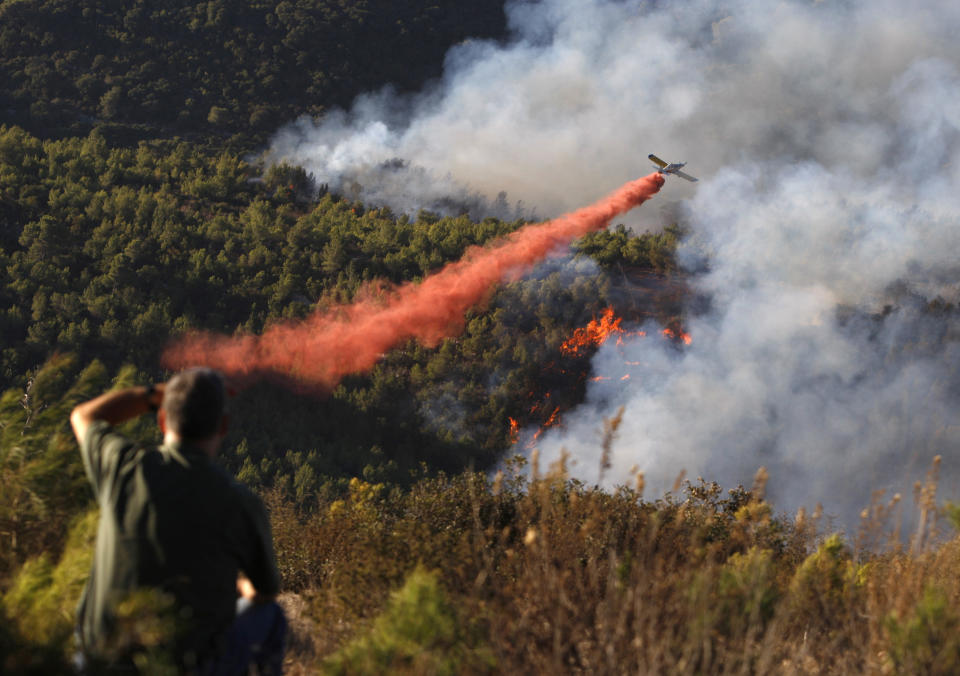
{"points": [[319, 351]]}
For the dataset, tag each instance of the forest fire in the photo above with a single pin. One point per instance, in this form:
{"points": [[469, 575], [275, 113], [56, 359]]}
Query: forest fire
{"points": [[597, 332]]}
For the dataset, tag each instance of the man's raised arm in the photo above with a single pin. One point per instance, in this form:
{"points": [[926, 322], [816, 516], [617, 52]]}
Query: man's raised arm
{"points": [[115, 407]]}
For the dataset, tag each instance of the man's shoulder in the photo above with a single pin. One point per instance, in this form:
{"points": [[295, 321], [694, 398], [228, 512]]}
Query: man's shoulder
{"points": [[106, 452], [100, 434]]}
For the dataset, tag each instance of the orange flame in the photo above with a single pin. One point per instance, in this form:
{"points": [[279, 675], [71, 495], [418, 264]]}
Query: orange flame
{"points": [[677, 334], [514, 430], [593, 334], [551, 422]]}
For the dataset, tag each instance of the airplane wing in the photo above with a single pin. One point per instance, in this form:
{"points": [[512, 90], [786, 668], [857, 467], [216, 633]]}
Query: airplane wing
{"points": [[686, 176], [656, 160]]}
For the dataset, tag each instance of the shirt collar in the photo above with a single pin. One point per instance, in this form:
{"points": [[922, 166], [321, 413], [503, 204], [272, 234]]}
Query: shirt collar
{"points": [[183, 452]]}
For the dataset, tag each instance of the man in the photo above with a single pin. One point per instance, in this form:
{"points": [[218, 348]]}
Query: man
{"points": [[178, 538]]}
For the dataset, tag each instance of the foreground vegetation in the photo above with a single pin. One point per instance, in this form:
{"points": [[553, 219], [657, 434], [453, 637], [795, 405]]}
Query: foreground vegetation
{"points": [[531, 573]]}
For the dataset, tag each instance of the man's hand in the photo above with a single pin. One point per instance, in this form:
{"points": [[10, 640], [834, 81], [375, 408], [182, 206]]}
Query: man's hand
{"points": [[115, 407], [246, 590]]}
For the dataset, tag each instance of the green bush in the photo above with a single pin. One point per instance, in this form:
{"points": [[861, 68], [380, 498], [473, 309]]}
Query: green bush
{"points": [[927, 640], [823, 586], [40, 605], [418, 633], [747, 591]]}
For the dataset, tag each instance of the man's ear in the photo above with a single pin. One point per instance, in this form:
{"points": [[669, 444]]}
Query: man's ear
{"points": [[162, 421]]}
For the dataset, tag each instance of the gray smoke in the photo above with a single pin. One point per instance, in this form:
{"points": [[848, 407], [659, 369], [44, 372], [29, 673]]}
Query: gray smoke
{"points": [[826, 137]]}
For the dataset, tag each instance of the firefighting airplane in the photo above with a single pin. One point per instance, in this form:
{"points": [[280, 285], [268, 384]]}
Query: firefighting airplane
{"points": [[674, 168]]}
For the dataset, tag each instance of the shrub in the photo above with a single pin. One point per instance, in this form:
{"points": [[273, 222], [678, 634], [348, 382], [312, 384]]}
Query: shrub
{"points": [[747, 591], [823, 586], [418, 633], [927, 641], [40, 605]]}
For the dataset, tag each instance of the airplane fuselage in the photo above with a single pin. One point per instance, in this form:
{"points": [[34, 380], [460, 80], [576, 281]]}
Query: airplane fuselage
{"points": [[672, 168]]}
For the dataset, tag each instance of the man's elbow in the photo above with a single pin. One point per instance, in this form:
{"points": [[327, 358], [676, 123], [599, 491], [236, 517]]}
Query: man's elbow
{"points": [[246, 589], [79, 421]]}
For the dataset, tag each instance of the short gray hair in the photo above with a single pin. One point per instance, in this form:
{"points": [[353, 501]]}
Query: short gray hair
{"points": [[194, 401]]}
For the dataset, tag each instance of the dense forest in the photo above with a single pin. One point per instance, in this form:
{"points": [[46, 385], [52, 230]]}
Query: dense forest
{"points": [[216, 71], [132, 209]]}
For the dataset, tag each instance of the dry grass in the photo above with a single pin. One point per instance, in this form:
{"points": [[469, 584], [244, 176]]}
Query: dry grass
{"points": [[547, 575]]}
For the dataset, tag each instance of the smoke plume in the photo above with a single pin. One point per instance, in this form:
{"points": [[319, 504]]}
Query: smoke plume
{"points": [[321, 350], [825, 227]]}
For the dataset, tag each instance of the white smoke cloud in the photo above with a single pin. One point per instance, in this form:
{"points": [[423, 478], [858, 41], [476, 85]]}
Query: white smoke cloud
{"points": [[826, 136]]}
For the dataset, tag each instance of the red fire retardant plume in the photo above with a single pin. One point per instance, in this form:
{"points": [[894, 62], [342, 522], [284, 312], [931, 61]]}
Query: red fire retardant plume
{"points": [[332, 343]]}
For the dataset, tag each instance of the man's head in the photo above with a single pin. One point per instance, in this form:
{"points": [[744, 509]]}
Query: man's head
{"points": [[194, 404]]}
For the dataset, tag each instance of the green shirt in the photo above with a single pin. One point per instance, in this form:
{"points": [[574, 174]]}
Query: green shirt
{"points": [[171, 521]]}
